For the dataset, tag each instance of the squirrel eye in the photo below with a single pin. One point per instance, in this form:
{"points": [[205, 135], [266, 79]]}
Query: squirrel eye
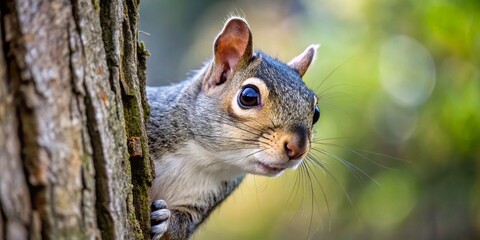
{"points": [[316, 114], [249, 97]]}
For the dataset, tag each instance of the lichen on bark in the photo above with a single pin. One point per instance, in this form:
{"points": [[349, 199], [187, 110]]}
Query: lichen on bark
{"points": [[72, 79]]}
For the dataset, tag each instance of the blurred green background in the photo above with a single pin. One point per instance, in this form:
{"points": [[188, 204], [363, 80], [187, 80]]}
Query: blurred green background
{"points": [[399, 136]]}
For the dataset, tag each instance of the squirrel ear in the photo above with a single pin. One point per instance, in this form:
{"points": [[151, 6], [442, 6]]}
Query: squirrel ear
{"points": [[232, 49], [301, 62]]}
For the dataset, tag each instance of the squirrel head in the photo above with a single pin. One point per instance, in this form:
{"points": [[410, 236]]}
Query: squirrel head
{"points": [[256, 112]]}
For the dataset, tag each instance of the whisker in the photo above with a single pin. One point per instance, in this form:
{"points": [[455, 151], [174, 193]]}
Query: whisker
{"points": [[320, 94], [327, 96], [345, 162], [251, 127], [313, 200], [359, 152], [316, 163], [261, 124], [229, 122], [360, 155], [381, 155], [295, 183], [273, 123], [323, 192], [302, 179], [328, 139], [335, 69], [256, 188], [349, 168], [230, 138], [232, 161]]}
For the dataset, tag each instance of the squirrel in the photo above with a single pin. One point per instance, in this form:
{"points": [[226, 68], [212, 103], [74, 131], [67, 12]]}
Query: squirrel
{"points": [[243, 112]]}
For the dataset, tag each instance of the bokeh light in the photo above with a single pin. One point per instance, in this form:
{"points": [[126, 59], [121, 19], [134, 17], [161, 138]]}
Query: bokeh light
{"points": [[398, 143], [407, 71]]}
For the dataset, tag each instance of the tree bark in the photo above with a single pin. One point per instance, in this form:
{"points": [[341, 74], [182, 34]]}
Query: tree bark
{"points": [[74, 158]]}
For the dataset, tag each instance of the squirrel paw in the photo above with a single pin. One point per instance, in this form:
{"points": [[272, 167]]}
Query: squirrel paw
{"points": [[159, 219]]}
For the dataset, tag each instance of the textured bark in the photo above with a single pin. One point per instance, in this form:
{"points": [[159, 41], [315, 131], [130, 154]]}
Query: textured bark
{"points": [[74, 159]]}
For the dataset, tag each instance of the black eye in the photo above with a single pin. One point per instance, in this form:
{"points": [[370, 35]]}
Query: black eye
{"points": [[249, 97], [316, 114]]}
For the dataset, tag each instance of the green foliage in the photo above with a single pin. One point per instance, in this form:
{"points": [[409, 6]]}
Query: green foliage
{"points": [[414, 150]]}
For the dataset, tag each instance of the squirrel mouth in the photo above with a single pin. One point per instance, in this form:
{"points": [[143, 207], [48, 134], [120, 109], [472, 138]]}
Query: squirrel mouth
{"points": [[269, 168]]}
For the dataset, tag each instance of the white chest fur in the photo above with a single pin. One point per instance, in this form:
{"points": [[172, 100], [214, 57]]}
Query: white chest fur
{"points": [[190, 172]]}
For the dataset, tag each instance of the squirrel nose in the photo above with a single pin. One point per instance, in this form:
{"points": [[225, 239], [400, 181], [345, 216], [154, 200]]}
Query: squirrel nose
{"points": [[296, 146]]}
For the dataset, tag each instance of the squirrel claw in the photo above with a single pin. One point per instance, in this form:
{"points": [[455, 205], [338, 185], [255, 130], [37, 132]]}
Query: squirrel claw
{"points": [[159, 219]]}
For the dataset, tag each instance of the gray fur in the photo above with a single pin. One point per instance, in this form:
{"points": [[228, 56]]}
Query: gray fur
{"points": [[198, 162]]}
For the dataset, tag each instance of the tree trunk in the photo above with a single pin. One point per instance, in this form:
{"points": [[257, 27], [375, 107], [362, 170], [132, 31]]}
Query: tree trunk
{"points": [[74, 158]]}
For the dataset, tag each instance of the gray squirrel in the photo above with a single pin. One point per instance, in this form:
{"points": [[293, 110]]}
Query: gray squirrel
{"points": [[244, 112]]}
